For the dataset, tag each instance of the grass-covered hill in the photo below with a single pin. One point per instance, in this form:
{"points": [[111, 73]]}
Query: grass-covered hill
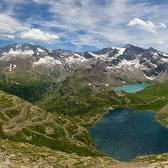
{"points": [[31, 136], [21, 121], [159, 104], [42, 112], [79, 98]]}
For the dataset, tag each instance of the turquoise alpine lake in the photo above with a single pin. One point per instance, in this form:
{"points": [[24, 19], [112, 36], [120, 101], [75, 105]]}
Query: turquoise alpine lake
{"points": [[131, 88], [124, 134]]}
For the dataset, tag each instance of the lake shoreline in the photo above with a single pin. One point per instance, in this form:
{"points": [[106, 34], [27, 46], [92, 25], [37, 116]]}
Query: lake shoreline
{"points": [[148, 113], [131, 109]]}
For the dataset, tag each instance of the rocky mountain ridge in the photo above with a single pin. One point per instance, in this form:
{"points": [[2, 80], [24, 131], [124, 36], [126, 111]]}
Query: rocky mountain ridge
{"points": [[127, 63]]}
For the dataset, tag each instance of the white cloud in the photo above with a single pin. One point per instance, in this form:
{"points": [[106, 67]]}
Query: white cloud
{"points": [[12, 28], [106, 22], [9, 24], [162, 25], [86, 22], [9, 36], [161, 42], [144, 25], [37, 34]]}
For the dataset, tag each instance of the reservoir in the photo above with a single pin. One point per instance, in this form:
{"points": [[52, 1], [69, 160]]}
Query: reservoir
{"points": [[124, 134], [131, 88]]}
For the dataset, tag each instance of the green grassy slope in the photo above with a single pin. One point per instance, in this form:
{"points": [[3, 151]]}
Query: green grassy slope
{"points": [[62, 111], [28, 86], [74, 97], [22, 122], [159, 94], [16, 155]]}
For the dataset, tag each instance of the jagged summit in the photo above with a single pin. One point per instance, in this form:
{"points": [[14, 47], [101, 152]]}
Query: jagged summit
{"points": [[152, 49], [127, 62]]}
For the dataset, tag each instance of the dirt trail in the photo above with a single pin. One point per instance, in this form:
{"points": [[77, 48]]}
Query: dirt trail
{"points": [[164, 109], [127, 165]]}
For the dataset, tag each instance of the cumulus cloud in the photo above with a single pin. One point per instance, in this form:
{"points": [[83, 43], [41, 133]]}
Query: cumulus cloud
{"points": [[106, 21], [162, 25], [37, 34], [89, 22], [146, 25], [12, 28]]}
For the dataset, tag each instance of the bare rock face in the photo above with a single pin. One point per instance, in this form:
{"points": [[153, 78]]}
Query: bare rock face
{"points": [[19, 155], [126, 63], [49, 131], [158, 165]]}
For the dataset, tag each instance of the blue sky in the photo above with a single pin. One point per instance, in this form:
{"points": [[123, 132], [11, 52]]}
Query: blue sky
{"points": [[84, 24]]}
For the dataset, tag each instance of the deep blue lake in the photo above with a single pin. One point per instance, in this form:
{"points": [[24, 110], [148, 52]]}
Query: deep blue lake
{"points": [[124, 134], [131, 88]]}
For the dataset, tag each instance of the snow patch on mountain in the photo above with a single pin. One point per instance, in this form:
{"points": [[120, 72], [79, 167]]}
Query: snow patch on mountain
{"points": [[6, 56], [19, 52], [75, 58], [94, 55], [40, 50], [150, 78], [164, 54], [120, 50], [103, 57], [129, 64], [164, 59], [149, 62], [47, 61], [12, 67]]}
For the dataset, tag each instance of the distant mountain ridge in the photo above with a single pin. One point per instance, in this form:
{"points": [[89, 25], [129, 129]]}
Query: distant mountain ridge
{"points": [[128, 63]]}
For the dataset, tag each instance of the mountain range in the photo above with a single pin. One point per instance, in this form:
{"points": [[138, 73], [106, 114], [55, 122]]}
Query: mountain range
{"points": [[108, 65]]}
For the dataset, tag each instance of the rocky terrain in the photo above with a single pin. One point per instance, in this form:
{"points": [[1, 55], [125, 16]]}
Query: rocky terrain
{"points": [[32, 137], [23, 155], [108, 65]]}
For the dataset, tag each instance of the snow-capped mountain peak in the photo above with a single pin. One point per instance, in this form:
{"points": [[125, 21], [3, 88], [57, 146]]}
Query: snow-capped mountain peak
{"points": [[113, 60]]}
